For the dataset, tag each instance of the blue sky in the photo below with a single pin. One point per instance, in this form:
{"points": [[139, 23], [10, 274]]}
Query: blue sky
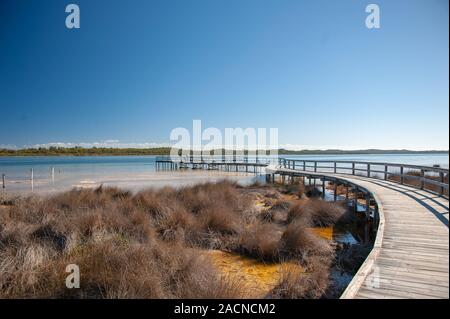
{"points": [[137, 69]]}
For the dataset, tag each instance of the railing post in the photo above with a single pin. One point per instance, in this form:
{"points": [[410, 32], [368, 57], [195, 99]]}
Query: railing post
{"points": [[335, 167], [442, 179], [401, 175], [376, 218], [353, 168], [368, 170], [3, 181], [315, 166], [304, 165], [293, 165], [367, 206], [335, 191], [385, 172], [323, 187], [422, 177]]}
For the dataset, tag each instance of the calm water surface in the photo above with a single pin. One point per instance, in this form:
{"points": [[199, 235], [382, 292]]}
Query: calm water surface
{"points": [[138, 172]]}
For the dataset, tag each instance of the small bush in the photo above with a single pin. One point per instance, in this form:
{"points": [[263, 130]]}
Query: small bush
{"points": [[299, 241], [319, 213], [260, 241]]}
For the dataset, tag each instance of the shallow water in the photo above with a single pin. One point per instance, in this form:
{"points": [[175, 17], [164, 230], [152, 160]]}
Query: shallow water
{"points": [[138, 172], [340, 235], [129, 181]]}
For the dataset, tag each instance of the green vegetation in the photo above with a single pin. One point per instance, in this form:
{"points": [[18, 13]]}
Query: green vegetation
{"points": [[106, 151], [81, 151]]}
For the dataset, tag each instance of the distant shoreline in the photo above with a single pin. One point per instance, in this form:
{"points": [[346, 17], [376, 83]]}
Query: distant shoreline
{"points": [[78, 151]]}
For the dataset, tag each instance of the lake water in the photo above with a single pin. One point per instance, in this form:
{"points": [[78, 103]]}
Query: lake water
{"points": [[138, 172]]}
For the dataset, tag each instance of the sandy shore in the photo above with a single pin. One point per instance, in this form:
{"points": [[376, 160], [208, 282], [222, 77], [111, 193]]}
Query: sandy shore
{"points": [[125, 180]]}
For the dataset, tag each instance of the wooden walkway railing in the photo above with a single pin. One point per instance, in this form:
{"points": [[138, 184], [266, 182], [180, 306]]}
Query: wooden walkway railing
{"points": [[434, 179], [410, 257]]}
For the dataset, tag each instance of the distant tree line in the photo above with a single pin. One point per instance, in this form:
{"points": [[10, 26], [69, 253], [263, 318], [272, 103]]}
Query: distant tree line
{"points": [[104, 151], [81, 151]]}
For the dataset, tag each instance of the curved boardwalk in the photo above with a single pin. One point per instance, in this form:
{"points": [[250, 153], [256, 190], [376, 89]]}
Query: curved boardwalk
{"points": [[410, 258]]}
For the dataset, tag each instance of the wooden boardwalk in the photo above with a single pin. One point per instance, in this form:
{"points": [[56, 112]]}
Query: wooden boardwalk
{"points": [[410, 258]]}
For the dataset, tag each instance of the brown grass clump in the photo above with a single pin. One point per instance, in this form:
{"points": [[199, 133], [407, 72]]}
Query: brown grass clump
{"points": [[118, 241], [261, 241], [315, 212], [299, 241], [277, 212], [295, 188], [151, 244], [310, 285]]}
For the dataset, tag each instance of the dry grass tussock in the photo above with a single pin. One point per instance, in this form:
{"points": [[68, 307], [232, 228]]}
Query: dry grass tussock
{"points": [[316, 212], [149, 245]]}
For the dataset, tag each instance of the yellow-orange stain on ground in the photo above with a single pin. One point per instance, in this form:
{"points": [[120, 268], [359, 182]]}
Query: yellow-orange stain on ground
{"points": [[324, 232], [256, 277]]}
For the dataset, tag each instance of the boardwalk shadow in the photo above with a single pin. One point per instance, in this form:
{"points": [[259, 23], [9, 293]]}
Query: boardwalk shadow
{"points": [[413, 195]]}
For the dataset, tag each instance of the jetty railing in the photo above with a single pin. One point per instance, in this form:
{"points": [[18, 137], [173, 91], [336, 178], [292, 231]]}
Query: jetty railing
{"points": [[219, 159], [433, 179]]}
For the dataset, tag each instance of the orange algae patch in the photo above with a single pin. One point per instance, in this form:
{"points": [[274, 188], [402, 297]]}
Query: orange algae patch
{"points": [[324, 232], [334, 233], [255, 277]]}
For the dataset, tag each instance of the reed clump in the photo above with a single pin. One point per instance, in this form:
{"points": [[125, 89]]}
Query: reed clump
{"points": [[151, 244], [316, 212]]}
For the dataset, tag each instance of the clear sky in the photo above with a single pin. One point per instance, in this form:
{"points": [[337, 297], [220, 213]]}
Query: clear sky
{"points": [[137, 69]]}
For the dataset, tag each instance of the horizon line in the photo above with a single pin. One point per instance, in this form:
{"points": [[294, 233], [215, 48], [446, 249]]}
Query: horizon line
{"points": [[18, 149]]}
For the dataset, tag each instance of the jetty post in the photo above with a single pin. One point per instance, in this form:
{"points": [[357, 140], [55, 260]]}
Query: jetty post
{"points": [[335, 191], [323, 188], [32, 179], [3, 187]]}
